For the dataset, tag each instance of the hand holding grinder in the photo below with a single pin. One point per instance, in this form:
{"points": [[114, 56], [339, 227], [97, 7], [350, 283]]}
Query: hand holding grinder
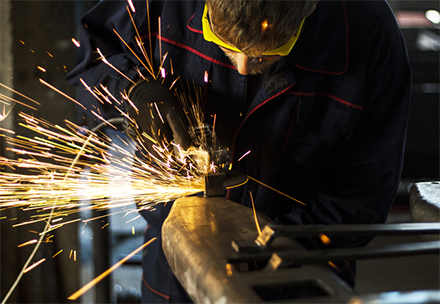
{"points": [[157, 111]]}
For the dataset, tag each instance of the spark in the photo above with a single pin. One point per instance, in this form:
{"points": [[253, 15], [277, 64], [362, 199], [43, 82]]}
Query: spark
{"points": [[20, 94], [28, 243], [333, 265], [277, 191], [3, 117], [76, 42], [57, 253], [95, 281], [158, 112], [62, 93], [325, 239], [112, 66], [149, 68], [244, 155], [205, 77], [34, 265], [255, 213], [130, 3], [41, 69]]}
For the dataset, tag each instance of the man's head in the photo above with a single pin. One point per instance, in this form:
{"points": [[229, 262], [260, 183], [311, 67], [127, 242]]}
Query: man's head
{"points": [[253, 30]]}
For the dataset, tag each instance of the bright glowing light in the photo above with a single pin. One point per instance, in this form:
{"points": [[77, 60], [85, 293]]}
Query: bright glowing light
{"points": [[244, 155], [34, 265], [76, 42], [433, 16], [130, 3]]}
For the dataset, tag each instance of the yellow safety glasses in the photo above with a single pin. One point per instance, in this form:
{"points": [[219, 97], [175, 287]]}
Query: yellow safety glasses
{"points": [[211, 37]]}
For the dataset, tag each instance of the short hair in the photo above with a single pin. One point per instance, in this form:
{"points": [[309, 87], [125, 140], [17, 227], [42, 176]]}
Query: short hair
{"points": [[257, 26]]}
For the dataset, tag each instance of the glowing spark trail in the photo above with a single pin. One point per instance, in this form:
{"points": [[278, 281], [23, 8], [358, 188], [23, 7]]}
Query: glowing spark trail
{"points": [[34, 265], [255, 214], [95, 281]]}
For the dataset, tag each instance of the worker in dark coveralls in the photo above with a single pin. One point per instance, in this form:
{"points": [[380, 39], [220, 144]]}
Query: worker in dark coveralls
{"points": [[317, 91]]}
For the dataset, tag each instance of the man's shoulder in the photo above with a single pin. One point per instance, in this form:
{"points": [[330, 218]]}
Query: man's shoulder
{"points": [[372, 14], [373, 23]]}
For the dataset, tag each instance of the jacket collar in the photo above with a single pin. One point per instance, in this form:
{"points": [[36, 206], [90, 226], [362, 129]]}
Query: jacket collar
{"points": [[195, 22]]}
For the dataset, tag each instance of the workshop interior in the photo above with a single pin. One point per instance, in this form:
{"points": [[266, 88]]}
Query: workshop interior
{"points": [[37, 33]]}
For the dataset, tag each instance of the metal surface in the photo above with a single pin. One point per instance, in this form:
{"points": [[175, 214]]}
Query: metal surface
{"points": [[270, 232], [425, 204], [214, 184], [290, 258], [197, 239]]}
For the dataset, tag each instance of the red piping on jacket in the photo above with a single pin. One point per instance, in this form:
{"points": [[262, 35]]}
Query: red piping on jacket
{"points": [[145, 280], [346, 50], [153, 290], [188, 48], [193, 29], [340, 100], [192, 50]]}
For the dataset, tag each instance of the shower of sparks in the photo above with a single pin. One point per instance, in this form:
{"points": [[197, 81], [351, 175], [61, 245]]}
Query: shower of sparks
{"points": [[113, 172]]}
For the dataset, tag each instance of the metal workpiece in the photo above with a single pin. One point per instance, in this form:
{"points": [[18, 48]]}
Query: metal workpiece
{"points": [[291, 258], [217, 183], [270, 232], [424, 202], [214, 184], [197, 238]]}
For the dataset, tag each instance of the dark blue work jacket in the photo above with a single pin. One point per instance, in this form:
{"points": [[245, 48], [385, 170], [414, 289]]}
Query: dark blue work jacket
{"points": [[327, 127]]}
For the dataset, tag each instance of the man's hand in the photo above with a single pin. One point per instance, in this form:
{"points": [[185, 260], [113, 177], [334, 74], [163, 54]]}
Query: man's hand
{"points": [[156, 111]]}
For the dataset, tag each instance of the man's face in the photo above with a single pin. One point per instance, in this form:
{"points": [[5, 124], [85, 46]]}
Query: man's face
{"points": [[250, 65]]}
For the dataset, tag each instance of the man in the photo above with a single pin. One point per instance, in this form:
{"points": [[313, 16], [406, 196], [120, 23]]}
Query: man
{"points": [[318, 92]]}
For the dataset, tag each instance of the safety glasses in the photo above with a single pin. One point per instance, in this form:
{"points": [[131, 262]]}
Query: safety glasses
{"points": [[211, 37]]}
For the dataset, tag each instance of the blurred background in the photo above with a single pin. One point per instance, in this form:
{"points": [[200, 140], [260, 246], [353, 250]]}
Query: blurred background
{"points": [[38, 34]]}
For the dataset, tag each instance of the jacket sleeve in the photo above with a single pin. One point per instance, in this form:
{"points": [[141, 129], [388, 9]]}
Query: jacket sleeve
{"points": [[110, 28]]}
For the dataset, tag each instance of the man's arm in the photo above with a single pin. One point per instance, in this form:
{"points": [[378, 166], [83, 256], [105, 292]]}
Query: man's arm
{"points": [[100, 29]]}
